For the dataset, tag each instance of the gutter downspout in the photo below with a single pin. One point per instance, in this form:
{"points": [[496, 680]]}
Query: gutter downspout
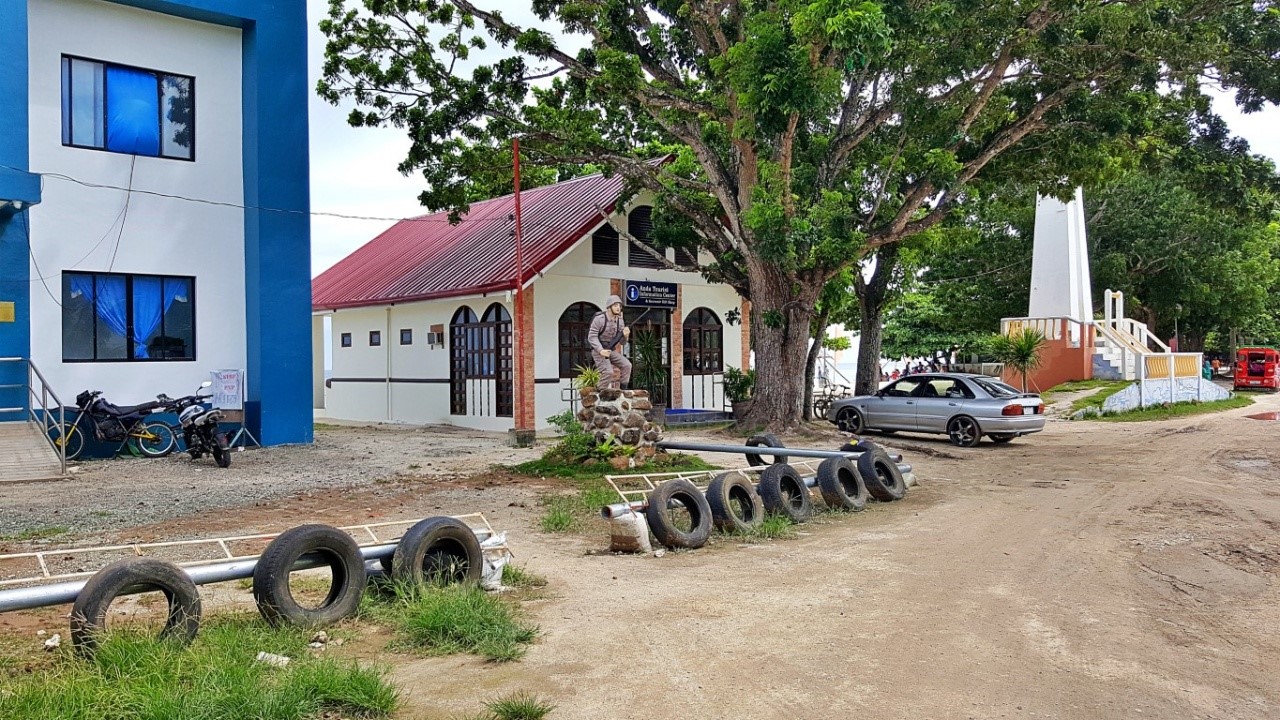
{"points": [[387, 345]]}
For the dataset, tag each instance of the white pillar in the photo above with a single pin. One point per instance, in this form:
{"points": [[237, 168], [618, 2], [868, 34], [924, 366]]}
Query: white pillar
{"points": [[1060, 261]]}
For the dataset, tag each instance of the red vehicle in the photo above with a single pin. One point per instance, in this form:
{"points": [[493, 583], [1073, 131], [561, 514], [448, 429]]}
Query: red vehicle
{"points": [[1257, 369]]}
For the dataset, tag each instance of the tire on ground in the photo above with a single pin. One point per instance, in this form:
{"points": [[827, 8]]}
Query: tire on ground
{"points": [[841, 486], [765, 440], [329, 545], [221, 452], [783, 492], [128, 576], [735, 505], [681, 492], [438, 551], [881, 476]]}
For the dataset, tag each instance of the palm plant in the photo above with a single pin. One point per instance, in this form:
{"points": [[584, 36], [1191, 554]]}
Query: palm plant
{"points": [[1020, 350]]}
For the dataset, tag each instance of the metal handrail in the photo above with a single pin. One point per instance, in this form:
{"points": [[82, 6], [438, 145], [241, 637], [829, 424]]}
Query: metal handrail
{"points": [[46, 393]]}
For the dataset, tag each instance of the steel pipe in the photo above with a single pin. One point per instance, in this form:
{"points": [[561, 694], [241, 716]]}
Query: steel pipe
{"points": [[609, 512], [748, 450]]}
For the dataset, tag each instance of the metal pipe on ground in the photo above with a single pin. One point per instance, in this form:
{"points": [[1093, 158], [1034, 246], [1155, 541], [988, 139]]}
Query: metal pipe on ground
{"points": [[748, 450], [66, 592], [609, 512]]}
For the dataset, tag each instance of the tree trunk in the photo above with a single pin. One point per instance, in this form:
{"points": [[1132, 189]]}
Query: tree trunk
{"points": [[781, 315], [873, 295], [812, 362]]}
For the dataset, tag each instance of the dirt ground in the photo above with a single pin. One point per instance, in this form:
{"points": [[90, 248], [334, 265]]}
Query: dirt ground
{"points": [[1096, 570]]}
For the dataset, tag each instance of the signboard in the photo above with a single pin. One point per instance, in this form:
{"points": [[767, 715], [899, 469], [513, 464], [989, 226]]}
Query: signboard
{"points": [[642, 293], [7, 312], [228, 389]]}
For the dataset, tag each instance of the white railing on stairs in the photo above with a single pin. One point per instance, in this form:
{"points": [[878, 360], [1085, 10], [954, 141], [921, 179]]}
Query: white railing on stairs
{"points": [[39, 399]]}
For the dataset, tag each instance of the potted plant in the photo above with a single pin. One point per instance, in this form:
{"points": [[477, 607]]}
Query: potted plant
{"points": [[587, 381], [738, 386]]}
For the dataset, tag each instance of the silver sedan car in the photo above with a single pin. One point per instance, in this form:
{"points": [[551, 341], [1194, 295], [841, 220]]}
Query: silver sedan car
{"points": [[963, 406]]}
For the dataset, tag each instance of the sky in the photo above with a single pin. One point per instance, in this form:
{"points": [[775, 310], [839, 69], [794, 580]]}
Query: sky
{"points": [[353, 170]]}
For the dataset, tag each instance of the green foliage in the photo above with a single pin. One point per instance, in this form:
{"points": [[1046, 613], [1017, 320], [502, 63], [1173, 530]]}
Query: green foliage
{"points": [[518, 577], [37, 533], [519, 706], [772, 527], [648, 371], [837, 343], [215, 678], [1096, 400], [1019, 350], [586, 377], [738, 385], [451, 619], [1182, 409]]}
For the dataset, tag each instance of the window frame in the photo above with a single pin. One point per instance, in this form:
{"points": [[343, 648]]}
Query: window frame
{"points": [[375, 338], [128, 339], [160, 75], [344, 340], [406, 336], [696, 352], [573, 350]]}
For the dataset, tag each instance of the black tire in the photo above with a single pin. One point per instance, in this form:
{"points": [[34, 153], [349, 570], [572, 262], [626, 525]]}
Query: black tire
{"points": [[437, 551], [850, 420], [1002, 438], [126, 577], [329, 545], [156, 441], [765, 440], [841, 486], [783, 492], [964, 431], [221, 453], [74, 440], [679, 492], [735, 506], [881, 476]]}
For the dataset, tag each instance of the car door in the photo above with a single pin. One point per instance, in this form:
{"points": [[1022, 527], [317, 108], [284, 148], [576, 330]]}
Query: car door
{"points": [[894, 407], [939, 399]]}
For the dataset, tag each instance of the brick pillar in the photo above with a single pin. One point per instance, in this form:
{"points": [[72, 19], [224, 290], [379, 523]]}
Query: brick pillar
{"points": [[746, 334], [615, 288], [524, 388], [677, 350]]}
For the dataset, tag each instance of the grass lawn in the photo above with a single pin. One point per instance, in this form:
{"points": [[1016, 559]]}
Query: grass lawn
{"points": [[1182, 409], [1106, 388]]}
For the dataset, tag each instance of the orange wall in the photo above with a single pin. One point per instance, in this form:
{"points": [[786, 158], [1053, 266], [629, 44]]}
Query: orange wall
{"points": [[1059, 362]]}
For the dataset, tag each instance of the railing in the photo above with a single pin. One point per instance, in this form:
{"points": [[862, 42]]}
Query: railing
{"points": [[1113, 317], [1053, 328], [39, 399], [1172, 367]]}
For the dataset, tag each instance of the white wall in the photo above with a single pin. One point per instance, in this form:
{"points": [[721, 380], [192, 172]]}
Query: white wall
{"points": [[572, 279], [76, 228]]}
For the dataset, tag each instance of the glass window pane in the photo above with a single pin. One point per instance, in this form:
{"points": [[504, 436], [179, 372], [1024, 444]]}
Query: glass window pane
{"points": [[111, 317], [178, 113], [133, 111], [178, 341], [86, 103], [77, 317], [66, 101]]}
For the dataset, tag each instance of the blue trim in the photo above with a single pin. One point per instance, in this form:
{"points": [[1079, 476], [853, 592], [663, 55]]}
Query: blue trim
{"points": [[15, 268]]}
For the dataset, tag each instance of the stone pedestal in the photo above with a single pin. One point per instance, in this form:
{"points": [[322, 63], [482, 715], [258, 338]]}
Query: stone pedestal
{"points": [[623, 415]]}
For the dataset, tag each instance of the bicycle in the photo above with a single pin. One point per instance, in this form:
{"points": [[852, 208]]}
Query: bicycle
{"points": [[823, 399], [110, 423]]}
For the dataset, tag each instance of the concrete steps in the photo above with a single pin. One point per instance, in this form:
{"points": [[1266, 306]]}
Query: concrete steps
{"points": [[25, 454]]}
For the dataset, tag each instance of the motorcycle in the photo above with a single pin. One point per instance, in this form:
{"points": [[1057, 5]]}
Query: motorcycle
{"points": [[200, 427], [125, 424]]}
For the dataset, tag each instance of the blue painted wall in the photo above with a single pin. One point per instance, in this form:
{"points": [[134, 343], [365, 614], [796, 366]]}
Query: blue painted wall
{"points": [[276, 175], [15, 273]]}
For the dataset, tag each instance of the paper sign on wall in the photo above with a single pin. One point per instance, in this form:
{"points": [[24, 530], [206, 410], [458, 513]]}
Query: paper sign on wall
{"points": [[228, 389]]}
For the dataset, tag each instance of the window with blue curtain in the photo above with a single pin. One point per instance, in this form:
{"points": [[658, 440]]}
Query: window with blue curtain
{"points": [[115, 317], [127, 110]]}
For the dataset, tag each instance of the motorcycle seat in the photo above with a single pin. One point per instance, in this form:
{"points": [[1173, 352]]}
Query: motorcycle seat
{"points": [[122, 410]]}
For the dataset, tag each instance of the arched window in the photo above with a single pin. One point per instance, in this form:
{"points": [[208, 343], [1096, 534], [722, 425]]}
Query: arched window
{"points": [[496, 362], [575, 321], [460, 338], [703, 343]]}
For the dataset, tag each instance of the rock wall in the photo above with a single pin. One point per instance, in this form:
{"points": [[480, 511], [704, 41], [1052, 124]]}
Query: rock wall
{"points": [[624, 415]]}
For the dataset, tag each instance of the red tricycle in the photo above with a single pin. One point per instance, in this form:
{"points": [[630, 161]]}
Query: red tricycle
{"points": [[1257, 368]]}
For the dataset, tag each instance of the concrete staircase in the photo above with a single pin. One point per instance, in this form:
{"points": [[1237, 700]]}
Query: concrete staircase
{"points": [[26, 455]]}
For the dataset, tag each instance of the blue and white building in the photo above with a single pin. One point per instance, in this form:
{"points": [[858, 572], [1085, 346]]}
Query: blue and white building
{"points": [[154, 200]]}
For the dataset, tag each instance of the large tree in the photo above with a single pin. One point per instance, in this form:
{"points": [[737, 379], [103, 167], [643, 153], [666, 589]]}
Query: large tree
{"points": [[804, 133]]}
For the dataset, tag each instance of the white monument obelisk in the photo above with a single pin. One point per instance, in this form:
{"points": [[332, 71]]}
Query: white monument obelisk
{"points": [[1060, 261]]}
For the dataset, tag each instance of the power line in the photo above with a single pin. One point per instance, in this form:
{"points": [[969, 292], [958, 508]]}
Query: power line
{"points": [[125, 215], [26, 229]]}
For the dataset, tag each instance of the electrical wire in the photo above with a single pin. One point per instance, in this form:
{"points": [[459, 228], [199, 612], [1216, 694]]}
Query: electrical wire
{"points": [[26, 228], [125, 218]]}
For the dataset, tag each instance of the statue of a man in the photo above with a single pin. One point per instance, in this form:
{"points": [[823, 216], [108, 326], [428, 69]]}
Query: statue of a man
{"points": [[607, 332]]}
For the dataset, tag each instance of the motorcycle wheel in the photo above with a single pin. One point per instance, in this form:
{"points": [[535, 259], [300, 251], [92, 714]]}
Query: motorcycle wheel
{"points": [[221, 453], [72, 438], [155, 440]]}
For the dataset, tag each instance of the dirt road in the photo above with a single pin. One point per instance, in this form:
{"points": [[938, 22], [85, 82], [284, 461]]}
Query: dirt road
{"points": [[1093, 571]]}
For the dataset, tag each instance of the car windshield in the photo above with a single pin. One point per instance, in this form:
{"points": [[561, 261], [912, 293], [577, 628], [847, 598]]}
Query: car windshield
{"points": [[995, 388]]}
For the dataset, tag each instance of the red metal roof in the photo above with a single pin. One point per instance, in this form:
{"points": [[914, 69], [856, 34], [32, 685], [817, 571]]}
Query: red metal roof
{"points": [[424, 258]]}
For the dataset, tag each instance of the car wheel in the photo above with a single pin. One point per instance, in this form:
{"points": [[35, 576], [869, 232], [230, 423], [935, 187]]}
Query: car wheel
{"points": [[1002, 437], [850, 421], [964, 431]]}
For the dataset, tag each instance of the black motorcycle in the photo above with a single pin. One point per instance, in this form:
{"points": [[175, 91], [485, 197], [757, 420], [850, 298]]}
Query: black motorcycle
{"points": [[199, 426], [107, 422]]}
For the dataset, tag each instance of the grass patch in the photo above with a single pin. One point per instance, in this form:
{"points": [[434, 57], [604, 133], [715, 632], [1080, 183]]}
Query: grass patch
{"points": [[519, 706], [452, 619], [773, 527], [517, 577], [1108, 388], [1078, 385], [1182, 409], [40, 533], [217, 676], [667, 462]]}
